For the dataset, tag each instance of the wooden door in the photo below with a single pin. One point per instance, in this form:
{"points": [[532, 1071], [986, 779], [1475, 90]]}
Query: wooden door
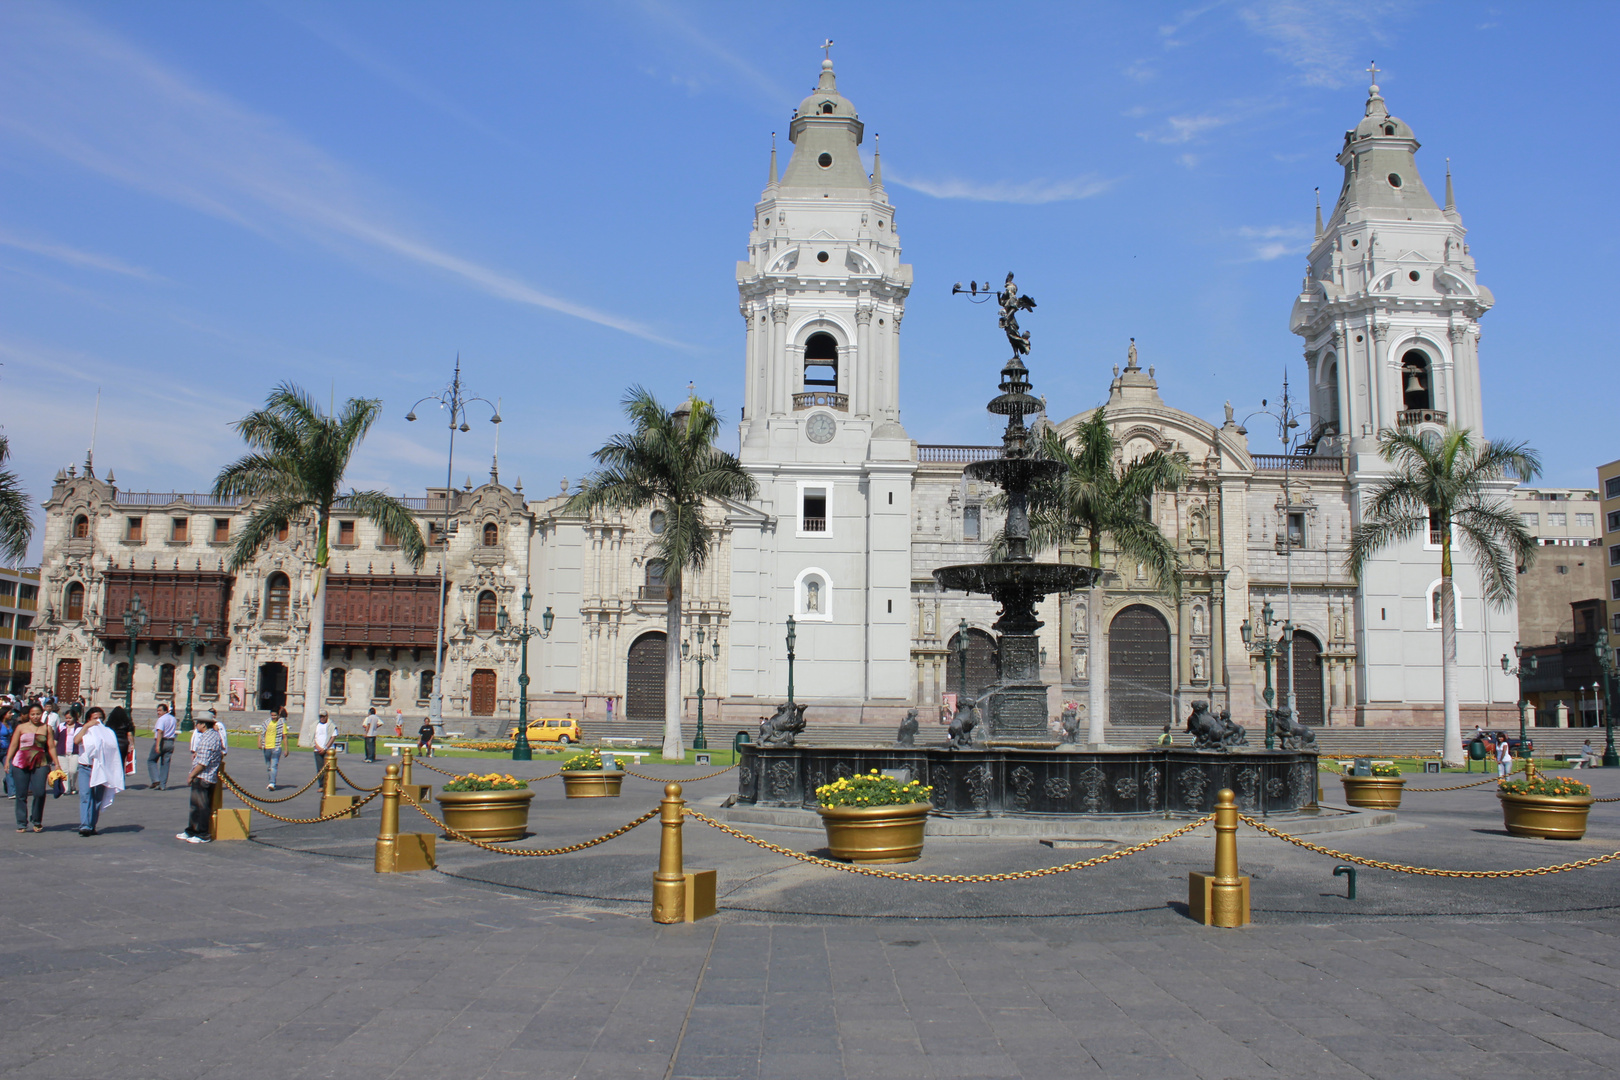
{"points": [[983, 665], [1139, 667], [644, 684], [483, 692], [67, 680], [1307, 679]]}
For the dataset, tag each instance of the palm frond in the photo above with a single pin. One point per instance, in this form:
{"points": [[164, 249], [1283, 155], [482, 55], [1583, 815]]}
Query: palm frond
{"points": [[1498, 541], [392, 517], [262, 524]]}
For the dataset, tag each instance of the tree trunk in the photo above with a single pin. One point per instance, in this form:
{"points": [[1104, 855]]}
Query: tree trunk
{"points": [[1452, 751], [673, 750], [314, 661]]}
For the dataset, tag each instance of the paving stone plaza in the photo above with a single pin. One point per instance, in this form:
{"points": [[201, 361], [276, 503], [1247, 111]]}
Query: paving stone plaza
{"points": [[130, 954]]}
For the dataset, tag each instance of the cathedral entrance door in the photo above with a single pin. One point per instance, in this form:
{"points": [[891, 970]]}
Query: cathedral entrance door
{"points": [[1139, 668], [644, 682], [483, 692], [1307, 679], [983, 665], [272, 686], [67, 680]]}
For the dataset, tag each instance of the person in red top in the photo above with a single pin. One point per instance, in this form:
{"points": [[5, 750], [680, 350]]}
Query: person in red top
{"points": [[31, 757]]}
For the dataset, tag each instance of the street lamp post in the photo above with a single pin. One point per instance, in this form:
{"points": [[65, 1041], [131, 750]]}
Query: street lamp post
{"points": [[1268, 651], [791, 636], [699, 742], [1287, 418], [1605, 657], [961, 669], [1526, 666], [135, 619], [199, 637], [521, 750], [454, 401]]}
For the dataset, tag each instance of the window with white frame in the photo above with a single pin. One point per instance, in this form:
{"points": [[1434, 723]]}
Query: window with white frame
{"points": [[1584, 521], [815, 508], [1530, 521], [1558, 521], [1614, 589], [1614, 554], [970, 522], [1611, 488]]}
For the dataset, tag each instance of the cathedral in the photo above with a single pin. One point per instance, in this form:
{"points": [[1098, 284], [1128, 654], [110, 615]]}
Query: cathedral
{"points": [[852, 515]]}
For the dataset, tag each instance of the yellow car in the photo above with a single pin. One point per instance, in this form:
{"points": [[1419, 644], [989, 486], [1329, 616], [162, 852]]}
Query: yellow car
{"points": [[557, 731]]}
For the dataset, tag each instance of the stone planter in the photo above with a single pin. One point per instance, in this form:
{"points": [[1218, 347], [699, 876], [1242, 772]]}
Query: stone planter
{"points": [[875, 834], [487, 815], [1374, 792], [592, 783], [1550, 817]]}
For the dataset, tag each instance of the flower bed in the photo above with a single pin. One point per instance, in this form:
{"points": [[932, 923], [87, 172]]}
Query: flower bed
{"points": [[486, 782], [489, 807]]}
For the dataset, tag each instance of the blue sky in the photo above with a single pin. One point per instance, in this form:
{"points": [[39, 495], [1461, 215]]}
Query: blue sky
{"points": [[200, 200]]}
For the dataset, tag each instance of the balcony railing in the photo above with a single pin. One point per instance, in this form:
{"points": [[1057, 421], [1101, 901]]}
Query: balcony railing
{"points": [[825, 400], [165, 498], [1414, 417], [814, 524], [957, 455], [1316, 463], [652, 592]]}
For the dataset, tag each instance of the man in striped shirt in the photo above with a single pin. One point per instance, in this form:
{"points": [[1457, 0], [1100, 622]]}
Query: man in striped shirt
{"points": [[205, 763], [273, 742]]}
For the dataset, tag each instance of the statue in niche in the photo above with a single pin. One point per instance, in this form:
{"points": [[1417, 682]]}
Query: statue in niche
{"points": [[812, 597], [1198, 620], [1079, 665], [1198, 666], [1080, 616], [1338, 629], [1195, 525]]}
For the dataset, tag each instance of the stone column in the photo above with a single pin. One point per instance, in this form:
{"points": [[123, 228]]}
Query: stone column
{"points": [[1184, 639], [1217, 639], [860, 386], [782, 379]]}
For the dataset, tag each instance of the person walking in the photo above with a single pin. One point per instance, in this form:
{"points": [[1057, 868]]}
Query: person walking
{"points": [[399, 723], [369, 730], [273, 741], [30, 757], [123, 729], [101, 770], [65, 735], [325, 734], [204, 775], [1504, 757], [424, 737], [164, 731], [8, 724]]}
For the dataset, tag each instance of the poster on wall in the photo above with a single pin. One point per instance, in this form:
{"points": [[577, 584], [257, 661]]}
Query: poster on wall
{"points": [[238, 695]]}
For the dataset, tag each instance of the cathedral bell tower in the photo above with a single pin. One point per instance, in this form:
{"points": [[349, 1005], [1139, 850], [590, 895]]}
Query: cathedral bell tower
{"points": [[822, 293]]}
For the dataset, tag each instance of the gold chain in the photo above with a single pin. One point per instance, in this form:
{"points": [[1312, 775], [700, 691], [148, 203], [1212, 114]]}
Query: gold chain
{"points": [[899, 875], [351, 783], [1401, 868], [345, 812], [1457, 787], [464, 838], [679, 780], [434, 768], [254, 798]]}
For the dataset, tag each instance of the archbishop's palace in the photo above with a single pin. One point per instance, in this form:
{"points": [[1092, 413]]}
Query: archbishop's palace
{"points": [[852, 516]]}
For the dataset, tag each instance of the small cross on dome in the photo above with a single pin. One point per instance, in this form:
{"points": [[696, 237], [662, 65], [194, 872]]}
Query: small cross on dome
{"points": [[1372, 70], [828, 44]]}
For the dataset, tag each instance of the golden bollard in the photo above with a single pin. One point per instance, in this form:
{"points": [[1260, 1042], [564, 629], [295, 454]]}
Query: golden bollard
{"points": [[331, 801], [232, 824], [399, 852], [420, 792], [1221, 898], [679, 894]]}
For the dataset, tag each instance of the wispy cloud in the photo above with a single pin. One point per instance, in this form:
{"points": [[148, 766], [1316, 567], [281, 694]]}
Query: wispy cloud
{"points": [[1028, 192], [1269, 242], [771, 93], [74, 257], [1182, 129], [72, 87], [1322, 39]]}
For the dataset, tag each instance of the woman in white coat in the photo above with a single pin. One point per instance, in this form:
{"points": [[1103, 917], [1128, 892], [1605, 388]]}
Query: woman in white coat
{"points": [[101, 769]]}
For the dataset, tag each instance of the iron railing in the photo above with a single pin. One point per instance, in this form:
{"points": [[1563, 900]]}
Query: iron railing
{"points": [[957, 455], [1317, 463]]}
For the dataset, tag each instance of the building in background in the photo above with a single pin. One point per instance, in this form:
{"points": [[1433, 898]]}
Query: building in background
{"points": [[1609, 522], [19, 608]]}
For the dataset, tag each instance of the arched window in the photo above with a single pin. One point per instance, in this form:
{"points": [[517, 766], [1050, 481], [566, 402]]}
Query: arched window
{"points": [[211, 680], [81, 527], [382, 685], [1417, 380], [337, 683], [821, 362], [492, 534], [425, 687], [486, 611], [1330, 388], [656, 587], [166, 679], [281, 533], [74, 607], [121, 678], [276, 593]]}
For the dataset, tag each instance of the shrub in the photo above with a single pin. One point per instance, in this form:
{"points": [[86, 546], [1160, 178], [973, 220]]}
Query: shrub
{"points": [[872, 789], [504, 746], [584, 761], [486, 782], [1544, 785], [1386, 770]]}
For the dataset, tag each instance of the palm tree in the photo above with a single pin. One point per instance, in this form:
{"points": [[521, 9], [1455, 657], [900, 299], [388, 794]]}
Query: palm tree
{"points": [[1443, 484], [16, 519], [668, 463], [1095, 496], [294, 474]]}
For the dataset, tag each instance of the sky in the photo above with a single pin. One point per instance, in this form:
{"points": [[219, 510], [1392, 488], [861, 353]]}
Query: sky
{"points": [[200, 201]]}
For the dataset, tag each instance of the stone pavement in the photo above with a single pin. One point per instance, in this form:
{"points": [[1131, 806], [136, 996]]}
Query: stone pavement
{"points": [[132, 955]]}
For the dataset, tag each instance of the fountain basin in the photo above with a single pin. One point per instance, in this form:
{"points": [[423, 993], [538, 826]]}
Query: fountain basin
{"points": [[1002, 781], [1036, 578]]}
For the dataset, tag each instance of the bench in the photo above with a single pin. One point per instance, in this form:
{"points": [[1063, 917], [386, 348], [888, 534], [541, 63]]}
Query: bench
{"points": [[621, 741], [637, 754]]}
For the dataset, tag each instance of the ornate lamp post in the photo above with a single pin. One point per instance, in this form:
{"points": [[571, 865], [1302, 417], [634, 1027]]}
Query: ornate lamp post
{"points": [[454, 402], [699, 742], [1268, 651], [135, 619], [521, 750], [791, 637], [1605, 658], [961, 661], [199, 637], [1526, 666]]}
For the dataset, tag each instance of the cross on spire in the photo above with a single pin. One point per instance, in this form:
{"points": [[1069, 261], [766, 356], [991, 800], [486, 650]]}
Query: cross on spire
{"points": [[1372, 70], [828, 44]]}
